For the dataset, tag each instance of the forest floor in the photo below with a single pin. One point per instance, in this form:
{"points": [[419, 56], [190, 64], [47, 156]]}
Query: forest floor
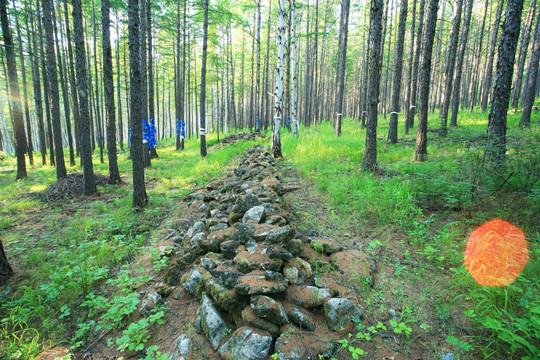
{"points": [[81, 263]]}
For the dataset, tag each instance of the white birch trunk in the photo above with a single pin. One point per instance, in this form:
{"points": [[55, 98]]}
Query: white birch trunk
{"points": [[294, 80], [278, 95]]}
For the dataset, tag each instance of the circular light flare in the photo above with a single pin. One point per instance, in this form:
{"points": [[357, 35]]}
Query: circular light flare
{"points": [[496, 253]]}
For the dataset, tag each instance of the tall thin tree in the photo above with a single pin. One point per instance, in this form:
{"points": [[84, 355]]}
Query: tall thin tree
{"points": [[496, 131], [54, 92], [17, 114], [278, 94], [420, 152], [530, 86], [375, 34], [294, 61], [82, 78], [203, 80], [140, 199], [114, 174], [342, 58]]}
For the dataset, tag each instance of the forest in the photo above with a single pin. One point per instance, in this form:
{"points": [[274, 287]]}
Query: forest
{"points": [[269, 179]]}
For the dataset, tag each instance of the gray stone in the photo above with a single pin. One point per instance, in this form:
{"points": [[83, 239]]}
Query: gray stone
{"points": [[251, 319], [291, 273], [152, 299], [196, 228], [280, 235], [267, 308], [247, 344], [193, 281], [203, 208], [198, 239], [275, 276], [207, 263], [251, 246], [300, 319], [228, 248], [218, 226], [246, 203], [254, 215], [257, 284], [212, 324], [310, 297], [278, 252], [182, 348], [298, 269], [338, 312], [226, 278]]}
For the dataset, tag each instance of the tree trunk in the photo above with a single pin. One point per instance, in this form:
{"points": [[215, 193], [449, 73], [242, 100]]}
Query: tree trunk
{"points": [[5, 269], [420, 151], [476, 67], [258, 76], [17, 115], [74, 97], [53, 86], [492, 47], [459, 66], [449, 69], [410, 65], [496, 131], [37, 93], [203, 80], [278, 95], [398, 70], [294, 120], [118, 88], [416, 68], [530, 86], [522, 54], [114, 174], [342, 57], [140, 199], [29, 145], [375, 28], [82, 77]]}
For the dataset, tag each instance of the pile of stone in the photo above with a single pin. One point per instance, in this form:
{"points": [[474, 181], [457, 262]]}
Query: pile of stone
{"points": [[255, 277], [231, 139]]}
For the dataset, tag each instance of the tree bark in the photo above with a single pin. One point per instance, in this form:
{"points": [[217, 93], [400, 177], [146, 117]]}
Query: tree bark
{"points": [[398, 70], [74, 97], [449, 69], [294, 61], [5, 269], [278, 95], [459, 66], [530, 86], [82, 78], [114, 174], [476, 67], [496, 131], [370, 154], [414, 89], [140, 199], [492, 47], [203, 80], [17, 115], [342, 57], [118, 88], [420, 152], [53, 86], [522, 54]]}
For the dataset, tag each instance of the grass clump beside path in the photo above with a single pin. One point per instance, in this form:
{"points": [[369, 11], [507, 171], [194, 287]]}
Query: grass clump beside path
{"points": [[69, 255], [419, 215]]}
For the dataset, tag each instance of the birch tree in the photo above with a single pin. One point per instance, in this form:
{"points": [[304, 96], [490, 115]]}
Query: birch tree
{"points": [[278, 94], [294, 105]]}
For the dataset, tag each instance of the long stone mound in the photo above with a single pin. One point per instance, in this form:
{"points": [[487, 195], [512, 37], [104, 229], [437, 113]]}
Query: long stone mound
{"points": [[257, 287]]}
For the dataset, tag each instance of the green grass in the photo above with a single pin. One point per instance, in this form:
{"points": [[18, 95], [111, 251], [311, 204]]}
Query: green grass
{"points": [[64, 254], [438, 203]]}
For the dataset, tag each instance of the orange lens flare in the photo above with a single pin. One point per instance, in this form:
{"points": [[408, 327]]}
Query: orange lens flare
{"points": [[496, 253]]}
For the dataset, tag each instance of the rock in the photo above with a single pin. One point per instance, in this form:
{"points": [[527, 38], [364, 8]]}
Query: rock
{"points": [[300, 319], [308, 297], [295, 246], [198, 240], [280, 235], [245, 203], [254, 215], [226, 278], [211, 323], [276, 220], [247, 344], [326, 246], [182, 347], [278, 252], [182, 224], [275, 276], [260, 231], [191, 284], [267, 308], [243, 265], [296, 345], [234, 217], [203, 208], [251, 319], [339, 311], [207, 263], [228, 248], [225, 298], [198, 227], [302, 273], [152, 299], [272, 184], [218, 226], [255, 283]]}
